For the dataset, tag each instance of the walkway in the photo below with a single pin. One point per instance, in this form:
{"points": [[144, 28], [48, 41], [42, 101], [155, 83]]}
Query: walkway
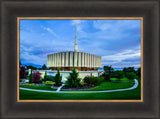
{"points": [[133, 87], [59, 88]]}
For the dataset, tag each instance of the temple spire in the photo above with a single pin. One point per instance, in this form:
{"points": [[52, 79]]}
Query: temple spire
{"points": [[75, 45]]}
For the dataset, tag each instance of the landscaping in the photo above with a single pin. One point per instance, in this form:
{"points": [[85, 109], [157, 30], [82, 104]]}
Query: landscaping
{"points": [[42, 87], [109, 80], [119, 95], [107, 86]]}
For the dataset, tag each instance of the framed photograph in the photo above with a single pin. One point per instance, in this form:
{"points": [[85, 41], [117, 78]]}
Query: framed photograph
{"points": [[80, 59], [105, 64]]}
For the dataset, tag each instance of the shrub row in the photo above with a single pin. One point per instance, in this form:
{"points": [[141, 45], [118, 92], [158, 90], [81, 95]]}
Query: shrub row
{"points": [[49, 78], [92, 81], [48, 82], [29, 84]]}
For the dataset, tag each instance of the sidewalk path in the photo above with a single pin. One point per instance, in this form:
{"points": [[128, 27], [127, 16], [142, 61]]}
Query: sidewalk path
{"points": [[59, 88], [133, 87]]}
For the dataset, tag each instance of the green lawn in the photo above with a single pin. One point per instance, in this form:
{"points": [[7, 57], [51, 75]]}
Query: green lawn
{"points": [[102, 86], [123, 79], [120, 95], [44, 87], [108, 86]]}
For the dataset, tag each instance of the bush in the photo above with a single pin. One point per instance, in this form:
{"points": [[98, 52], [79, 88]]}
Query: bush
{"points": [[50, 78], [130, 75], [22, 80], [27, 72], [72, 79], [36, 76], [128, 69], [119, 74], [93, 81], [100, 80], [29, 84], [49, 83]]}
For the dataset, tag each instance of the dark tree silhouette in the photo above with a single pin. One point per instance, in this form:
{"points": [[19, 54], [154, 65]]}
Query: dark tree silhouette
{"points": [[58, 79], [138, 72], [22, 72], [130, 75], [128, 69], [108, 70], [119, 74], [44, 67]]}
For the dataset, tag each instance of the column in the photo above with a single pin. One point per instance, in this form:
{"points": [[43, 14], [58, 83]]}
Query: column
{"points": [[90, 60], [60, 62], [66, 59], [57, 58], [93, 60], [54, 60], [79, 59], [85, 59], [82, 59], [63, 59], [71, 59], [75, 59]]}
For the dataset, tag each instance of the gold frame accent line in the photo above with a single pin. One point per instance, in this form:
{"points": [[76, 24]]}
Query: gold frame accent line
{"points": [[142, 59], [81, 18], [18, 27]]}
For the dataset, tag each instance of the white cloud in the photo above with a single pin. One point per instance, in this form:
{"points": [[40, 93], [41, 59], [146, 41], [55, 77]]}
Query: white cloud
{"points": [[102, 25], [73, 22], [116, 26], [80, 25], [49, 30], [33, 58], [123, 55], [116, 59]]}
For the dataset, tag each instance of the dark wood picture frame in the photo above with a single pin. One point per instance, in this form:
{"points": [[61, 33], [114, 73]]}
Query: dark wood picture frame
{"points": [[148, 9]]}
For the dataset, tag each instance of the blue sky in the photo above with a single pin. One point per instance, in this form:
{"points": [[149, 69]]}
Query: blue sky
{"points": [[117, 41]]}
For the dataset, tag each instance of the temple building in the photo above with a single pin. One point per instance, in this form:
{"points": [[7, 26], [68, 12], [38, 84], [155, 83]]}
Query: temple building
{"points": [[65, 61], [86, 64]]}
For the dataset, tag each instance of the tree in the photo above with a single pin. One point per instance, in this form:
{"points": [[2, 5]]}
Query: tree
{"points": [[36, 76], [45, 76], [119, 74], [138, 72], [58, 79], [44, 67], [73, 80], [20, 64], [22, 72], [31, 77], [108, 70], [31, 67], [130, 75], [128, 69]]}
